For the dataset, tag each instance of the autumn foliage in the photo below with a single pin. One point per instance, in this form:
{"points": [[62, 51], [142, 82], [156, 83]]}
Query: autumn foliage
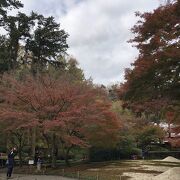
{"points": [[152, 84], [75, 114], [155, 72]]}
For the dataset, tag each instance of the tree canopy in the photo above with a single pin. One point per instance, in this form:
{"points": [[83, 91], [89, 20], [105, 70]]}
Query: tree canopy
{"points": [[8, 4], [151, 87], [77, 113], [155, 74], [156, 70], [33, 41]]}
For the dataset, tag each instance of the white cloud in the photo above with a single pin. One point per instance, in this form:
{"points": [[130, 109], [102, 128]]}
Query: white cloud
{"points": [[54, 8], [99, 31]]}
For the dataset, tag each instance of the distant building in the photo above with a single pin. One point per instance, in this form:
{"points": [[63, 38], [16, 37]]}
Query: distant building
{"points": [[173, 136]]}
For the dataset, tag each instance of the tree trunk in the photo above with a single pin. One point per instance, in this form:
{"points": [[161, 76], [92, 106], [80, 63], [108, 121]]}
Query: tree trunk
{"points": [[8, 141], [20, 156], [16, 54], [20, 136], [53, 151], [67, 159], [169, 130], [67, 156], [28, 136], [47, 139], [34, 67], [33, 145]]}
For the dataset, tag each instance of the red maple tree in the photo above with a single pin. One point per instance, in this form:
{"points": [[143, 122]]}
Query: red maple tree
{"points": [[73, 114], [152, 84]]}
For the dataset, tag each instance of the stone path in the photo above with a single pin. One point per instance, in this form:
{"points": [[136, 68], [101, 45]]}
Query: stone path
{"points": [[34, 177]]}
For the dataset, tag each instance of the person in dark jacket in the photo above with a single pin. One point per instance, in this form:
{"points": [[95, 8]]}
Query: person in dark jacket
{"points": [[10, 162]]}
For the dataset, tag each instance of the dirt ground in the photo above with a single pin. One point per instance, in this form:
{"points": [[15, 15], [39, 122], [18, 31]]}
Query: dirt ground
{"points": [[167, 169], [34, 177]]}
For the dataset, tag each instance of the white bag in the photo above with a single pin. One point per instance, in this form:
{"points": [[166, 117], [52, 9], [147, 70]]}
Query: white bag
{"points": [[7, 162]]}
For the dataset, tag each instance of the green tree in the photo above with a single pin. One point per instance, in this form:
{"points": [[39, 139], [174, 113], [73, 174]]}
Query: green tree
{"points": [[18, 30], [8, 4], [73, 71], [149, 134], [4, 54], [113, 95], [47, 44], [34, 41]]}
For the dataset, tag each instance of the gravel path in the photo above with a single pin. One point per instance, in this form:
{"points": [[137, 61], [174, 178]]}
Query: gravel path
{"points": [[34, 177]]}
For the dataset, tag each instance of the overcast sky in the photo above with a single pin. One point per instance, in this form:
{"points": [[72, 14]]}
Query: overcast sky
{"points": [[99, 30]]}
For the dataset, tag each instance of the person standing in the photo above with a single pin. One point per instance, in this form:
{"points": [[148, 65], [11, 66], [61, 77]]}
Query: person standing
{"points": [[39, 162], [10, 162]]}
